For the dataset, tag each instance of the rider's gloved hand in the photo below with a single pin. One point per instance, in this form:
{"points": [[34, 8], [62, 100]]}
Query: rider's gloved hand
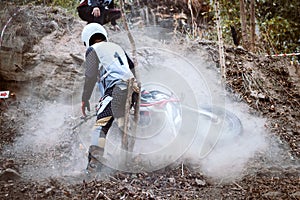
{"points": [[85, 105], [136, 86]]}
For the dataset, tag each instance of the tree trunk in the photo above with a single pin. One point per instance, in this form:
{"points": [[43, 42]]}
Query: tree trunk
{"points": [[126, 144], [220, 41], [190, 6], [243, 19], [252, 25]]}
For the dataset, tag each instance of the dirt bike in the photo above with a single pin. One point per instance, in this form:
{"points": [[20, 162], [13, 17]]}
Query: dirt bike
{"points": [[170, 108], [163, 122], [158, 107], [156, 101]]}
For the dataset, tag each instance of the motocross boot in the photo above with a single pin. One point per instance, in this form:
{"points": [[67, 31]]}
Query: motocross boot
{"points": [[95, 159]]}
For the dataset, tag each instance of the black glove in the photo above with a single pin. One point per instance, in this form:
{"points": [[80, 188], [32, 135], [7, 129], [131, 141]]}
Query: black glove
{"points": [[85, 104]]}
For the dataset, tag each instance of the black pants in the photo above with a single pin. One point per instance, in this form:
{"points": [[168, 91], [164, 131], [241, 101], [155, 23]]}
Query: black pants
{"points": [[106, 15], [115, 108]]}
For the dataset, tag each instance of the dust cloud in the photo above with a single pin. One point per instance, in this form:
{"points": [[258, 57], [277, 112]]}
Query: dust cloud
{"points": [[52, 148], [229, 157], [48, 145], [196, 82]]}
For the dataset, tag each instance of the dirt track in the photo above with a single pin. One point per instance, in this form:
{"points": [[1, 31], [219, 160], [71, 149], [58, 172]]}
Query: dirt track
{"points": [[267, 85]]}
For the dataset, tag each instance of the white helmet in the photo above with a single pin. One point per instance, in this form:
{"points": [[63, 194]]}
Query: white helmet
{"points": [[91, 29]]}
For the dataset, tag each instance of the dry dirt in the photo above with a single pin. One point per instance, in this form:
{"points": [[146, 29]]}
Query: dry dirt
{"points": [[40, 153]]}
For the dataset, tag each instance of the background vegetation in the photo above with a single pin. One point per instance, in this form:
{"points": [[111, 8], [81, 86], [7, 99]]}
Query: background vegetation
{"points": [[277, 21]]}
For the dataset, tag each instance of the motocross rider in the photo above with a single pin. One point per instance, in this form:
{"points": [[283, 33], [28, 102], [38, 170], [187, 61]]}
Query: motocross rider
{"points": [[108, 63], [99, 11]]}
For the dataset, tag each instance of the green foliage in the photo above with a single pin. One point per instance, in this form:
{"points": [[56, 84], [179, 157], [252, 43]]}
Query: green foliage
{"points": [[283, 33], [278, 22], [230, 17]]}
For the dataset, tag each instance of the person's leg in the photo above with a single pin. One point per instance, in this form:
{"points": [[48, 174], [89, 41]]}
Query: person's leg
{"points": [[98, 136], [85, 13], [101, 19], [113, 15], [109, 15], [96, 149], [118, 102], [118, 105]]}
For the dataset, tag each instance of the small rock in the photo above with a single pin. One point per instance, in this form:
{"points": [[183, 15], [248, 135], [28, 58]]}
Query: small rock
{"points": [[296, 195], [272, 194], [171, 180], [272, 108], [48, 190], [200, 182]]}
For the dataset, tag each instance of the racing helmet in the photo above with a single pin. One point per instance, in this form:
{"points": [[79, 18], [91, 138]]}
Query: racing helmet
{"points": [[90, 30]]}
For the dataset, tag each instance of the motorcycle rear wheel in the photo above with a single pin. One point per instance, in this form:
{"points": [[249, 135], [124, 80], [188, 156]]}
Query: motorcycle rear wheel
{"points": [[232, 126]]}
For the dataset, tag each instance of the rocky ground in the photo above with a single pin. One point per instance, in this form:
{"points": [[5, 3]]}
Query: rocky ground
{"points": [[37, 75]]}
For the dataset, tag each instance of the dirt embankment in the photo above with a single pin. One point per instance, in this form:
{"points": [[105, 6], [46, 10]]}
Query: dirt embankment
{"points": [[37, 55], [40, 58], [271, 87]]}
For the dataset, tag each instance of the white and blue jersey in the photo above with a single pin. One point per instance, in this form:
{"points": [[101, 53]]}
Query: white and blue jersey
{"points": [[107, 63]]}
